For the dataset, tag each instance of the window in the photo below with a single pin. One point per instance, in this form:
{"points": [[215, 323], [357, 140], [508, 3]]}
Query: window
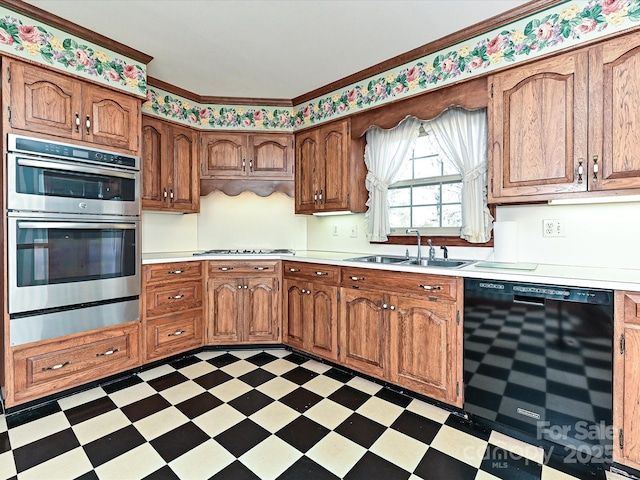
{"points": [[427, 192]]}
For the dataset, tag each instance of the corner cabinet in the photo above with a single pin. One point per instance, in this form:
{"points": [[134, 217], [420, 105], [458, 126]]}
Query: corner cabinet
{"points": [[169, 166], [52, 104], [327, 178], [567, 125]]}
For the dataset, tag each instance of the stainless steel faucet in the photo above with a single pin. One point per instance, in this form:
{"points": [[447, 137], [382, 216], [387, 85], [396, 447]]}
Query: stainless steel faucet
{"points": [[432, 251], [414, 230]]}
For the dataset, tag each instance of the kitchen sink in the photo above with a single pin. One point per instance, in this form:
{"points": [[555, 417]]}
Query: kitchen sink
{"points": [[425, 262], [378, 259]]}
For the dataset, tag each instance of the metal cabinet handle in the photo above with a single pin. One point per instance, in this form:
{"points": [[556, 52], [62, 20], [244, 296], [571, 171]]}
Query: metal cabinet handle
{"points": [[171, 195], [240, 287], [164, 193], [176, 333], [430, 287], [315, 197], [175, 272], [385, 305], [244, 164], [580, 170], [88, 124], [261, 268], [356, 279], [392, 307], [108, 352], [176, 297], [322, 273], [595, 168], [320, 196], [56, 367], [251, 165], [246, 286], [294, 269], [224, 269], [77, 122]]}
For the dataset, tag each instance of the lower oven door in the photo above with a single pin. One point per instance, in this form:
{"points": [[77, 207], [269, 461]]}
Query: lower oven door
{"points": [[59, 261]]}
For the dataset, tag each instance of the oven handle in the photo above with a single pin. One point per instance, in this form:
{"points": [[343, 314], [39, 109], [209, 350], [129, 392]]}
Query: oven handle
{"points": [[25, 162], [78, 225]]}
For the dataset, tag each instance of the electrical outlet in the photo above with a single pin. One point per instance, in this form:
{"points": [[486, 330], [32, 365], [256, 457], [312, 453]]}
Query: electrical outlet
{"points": [[354, 231], [335, 230], [553, 228]]}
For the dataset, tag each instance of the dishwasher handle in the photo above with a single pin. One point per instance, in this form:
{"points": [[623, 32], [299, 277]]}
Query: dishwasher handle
{"points": [[526, 300]]}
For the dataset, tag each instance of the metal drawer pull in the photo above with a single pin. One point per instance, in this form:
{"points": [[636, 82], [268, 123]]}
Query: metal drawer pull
{"points": [[355, 279], [56, 367], [294, 269], [176, 333], [175, 272], [108, 352], [176, 297], [224, 269], [261, 268], [322, 273], [88, 123], [431, 287], [77, 122]]}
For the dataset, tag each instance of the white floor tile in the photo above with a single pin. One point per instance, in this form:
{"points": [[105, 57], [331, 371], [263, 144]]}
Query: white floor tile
{"points": [[279, 367], [132, 394], [81, 398], [398, 448], [336, 453], [71, 464], [137, 463], [380, 410], [38, 429], [278, 352], [323, 386], [156, 372], [202, 462], [244, 353], [328, 413], [229, 390], [237, 369], [429, 411], [218, 420], [99, 426], [181, 392], [549, 473], [209, 354], [270, 458], [274, 416], [518, 447], [316, 366], [7, 465], [277, 387], [197, 370], [160, 423], [457, 444], [364, 385], [482, 475]]}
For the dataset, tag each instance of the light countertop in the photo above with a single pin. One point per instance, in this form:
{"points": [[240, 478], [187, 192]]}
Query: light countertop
{"points": [[571, 276]]}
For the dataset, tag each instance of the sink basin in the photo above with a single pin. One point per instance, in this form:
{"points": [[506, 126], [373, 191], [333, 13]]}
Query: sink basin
{"points": [[425, 262], [379, 259]]}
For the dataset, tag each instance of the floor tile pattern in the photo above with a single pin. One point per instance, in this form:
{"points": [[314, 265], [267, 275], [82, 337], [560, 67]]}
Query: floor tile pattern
{"points": [[252, 414]]}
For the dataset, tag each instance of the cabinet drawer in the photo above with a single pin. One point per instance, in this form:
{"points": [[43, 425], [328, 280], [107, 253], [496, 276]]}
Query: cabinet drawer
{"points": [[172, 272], [438, 286], [172, 298], [231, 268], [311, 271], [174, 333], [54, 365]]}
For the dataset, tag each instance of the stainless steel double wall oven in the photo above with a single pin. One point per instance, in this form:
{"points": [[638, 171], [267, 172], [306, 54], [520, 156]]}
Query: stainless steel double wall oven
{"points": [[73, 240]]}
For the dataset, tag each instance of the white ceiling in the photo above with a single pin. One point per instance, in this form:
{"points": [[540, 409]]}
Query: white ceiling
{"points": [[270, 48]]}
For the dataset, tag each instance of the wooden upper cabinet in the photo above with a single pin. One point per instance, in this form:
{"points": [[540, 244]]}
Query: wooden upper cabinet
{"points": [[266, 156], [324, 170], [170, 179], [53, 104], [538, 128]]}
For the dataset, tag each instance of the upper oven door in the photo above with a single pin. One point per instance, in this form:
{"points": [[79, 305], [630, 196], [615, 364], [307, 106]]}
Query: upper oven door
{"points": [[57, 262], [60, 186]]}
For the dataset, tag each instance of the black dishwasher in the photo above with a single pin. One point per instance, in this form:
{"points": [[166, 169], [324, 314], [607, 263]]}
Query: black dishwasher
{"points": [[539, 359]]}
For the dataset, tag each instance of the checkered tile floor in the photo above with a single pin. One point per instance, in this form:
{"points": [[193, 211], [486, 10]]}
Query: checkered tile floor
{"points": [[254, 414]]}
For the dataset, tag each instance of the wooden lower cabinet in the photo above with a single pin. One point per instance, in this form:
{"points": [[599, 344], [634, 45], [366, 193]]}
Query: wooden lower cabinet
{"points": [[51, 366], [243, 303], [172, 334]]}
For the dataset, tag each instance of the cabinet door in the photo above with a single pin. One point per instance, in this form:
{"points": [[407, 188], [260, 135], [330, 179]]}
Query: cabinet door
{"points": [[363, 331], [43, 101], [113, 118], [261, 310], [334, 182], [182, 163], [307, 152], [295, 313], [538, 129], [323, 328], [225, 310], [223, 155], [153, 158], [271, 156], [614, 84], [423, 347]]}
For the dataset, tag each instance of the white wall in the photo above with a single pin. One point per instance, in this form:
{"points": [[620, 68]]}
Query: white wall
{"points": [[169, 232]]}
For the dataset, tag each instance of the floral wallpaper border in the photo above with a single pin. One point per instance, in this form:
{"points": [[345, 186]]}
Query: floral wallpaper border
{"points": [[561, 26], [27, 38]]}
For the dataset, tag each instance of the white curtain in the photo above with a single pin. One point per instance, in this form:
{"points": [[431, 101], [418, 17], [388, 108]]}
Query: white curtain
{"points": [[383, 155], [462, 136]]}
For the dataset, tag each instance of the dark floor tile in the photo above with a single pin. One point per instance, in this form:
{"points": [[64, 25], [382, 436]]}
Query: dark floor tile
{"points": [[212, 379], [5, 444], [31, 414], [436, 465], [223, 360], [121, 384], [235, 471], [301, 399], [567, 461], [372, 466], [89, 410], [256, 377], [302, 433], [307, 469], [184, 362], [394, 397], [361, 430], [167, 381], [179, 441], [339, 375], [196, 406], [296, 358], [349, 397], [92, 475], [44, 449], [261, 359], [506, 465], [143, 408], [416, 426], [467, 427], [242, 437], [251, 402], [164, 473], [299, 375], [115, 444]]}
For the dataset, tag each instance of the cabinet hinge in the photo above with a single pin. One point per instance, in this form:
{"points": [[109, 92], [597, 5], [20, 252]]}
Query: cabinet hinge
{"points": [[338, 295], [278, 285], [457, 389], [8, 75], [278, 332], [138, 142], [338, 350], [492, 90], [622, 344], [9, 113], [492, 185], [207, 288], [621, 439], [457, 317], [349, 129], [348, 198]]}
